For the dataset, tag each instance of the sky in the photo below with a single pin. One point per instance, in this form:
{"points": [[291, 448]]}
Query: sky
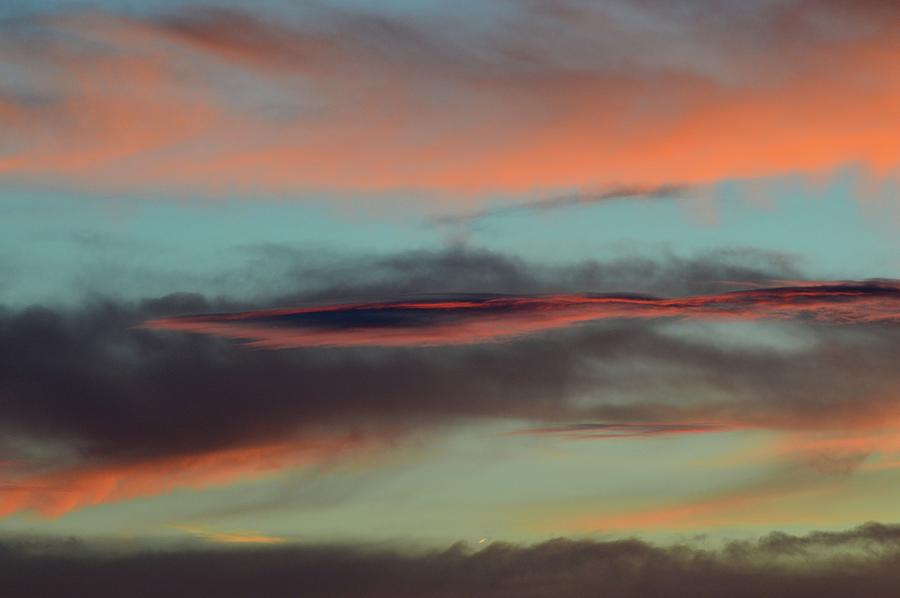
{"points": [[523, 297]]}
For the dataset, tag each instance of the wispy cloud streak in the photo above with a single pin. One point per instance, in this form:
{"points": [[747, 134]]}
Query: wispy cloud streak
{"points": [[477, 319], [64, 489], [593, 431], [563, 201], [234, 537]]}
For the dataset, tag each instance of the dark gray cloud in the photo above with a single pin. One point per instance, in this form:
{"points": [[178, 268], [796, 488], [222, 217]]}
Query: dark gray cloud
{"points": [[562, 201], [858, 562], [626, 430], [462, 269], [91, 383]]}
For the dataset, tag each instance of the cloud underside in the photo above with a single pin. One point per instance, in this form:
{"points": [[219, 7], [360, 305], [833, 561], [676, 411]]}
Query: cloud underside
{"points": [[96, 408], [473, 319], [351, 101], [857, 562]]}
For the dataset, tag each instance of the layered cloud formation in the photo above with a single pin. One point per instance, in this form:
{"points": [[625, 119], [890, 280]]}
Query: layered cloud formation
{"points": [[128, 411], [861, 561], [260, 390]]}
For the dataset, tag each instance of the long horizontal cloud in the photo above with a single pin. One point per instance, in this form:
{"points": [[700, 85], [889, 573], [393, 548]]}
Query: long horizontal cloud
{"points": [[241, 537], [562, 201], [349, 101], [59, 491], [592, 431], [860, 561], [463, 320], [731, 506], [96, 408]]}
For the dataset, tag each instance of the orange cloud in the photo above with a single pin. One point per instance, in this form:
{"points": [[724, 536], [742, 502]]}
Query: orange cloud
{"points": [[237, 105], [242, 537], [868, 445], [781, 496], [57, 492], [731, 507], [811, 465]]}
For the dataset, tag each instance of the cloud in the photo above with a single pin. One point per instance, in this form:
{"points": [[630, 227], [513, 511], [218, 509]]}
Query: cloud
{"points": [[859, 561], [593, 431], [460, 270], [805, 467], [225, 102], [563, 201], [96, 408], [478, 319], [242, 537], [59, 491], [761, 502]]}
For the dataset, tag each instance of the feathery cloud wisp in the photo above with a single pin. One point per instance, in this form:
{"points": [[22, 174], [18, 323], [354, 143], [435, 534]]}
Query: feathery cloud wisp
{"points": [[477, 319]]}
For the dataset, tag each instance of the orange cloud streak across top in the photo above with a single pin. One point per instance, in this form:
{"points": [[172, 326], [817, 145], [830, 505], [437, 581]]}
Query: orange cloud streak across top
{"points": [[155, 109]]}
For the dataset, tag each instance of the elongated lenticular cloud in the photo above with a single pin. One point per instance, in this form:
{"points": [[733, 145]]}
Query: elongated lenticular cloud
{"points": [[462, 320]]}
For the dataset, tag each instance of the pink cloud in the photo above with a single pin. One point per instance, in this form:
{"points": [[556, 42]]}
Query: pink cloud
{"points": [[465, 321]]}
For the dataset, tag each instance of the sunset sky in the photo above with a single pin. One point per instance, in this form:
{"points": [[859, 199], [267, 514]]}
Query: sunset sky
{"points": [[453, 298]]}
